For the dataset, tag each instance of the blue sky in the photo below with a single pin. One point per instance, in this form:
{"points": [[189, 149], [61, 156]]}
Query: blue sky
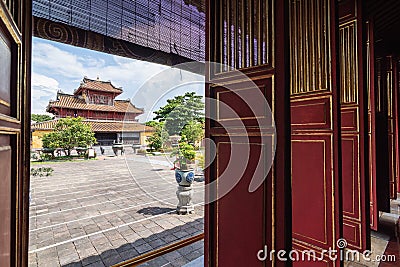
{"points": [[56, 66]]}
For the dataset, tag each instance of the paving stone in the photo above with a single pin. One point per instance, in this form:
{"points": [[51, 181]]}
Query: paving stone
{"points": [[90, 201], [96, 264], [170, 257], [179, 262], [143, 248], [129, 254], [124, 247], [160, 261], [91, 259], [193, 255], [157, 243], [112, 260], [49, 262]]}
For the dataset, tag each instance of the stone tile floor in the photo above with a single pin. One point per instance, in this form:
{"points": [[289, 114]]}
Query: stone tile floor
{"points": [[101, 212], [385, 244]]}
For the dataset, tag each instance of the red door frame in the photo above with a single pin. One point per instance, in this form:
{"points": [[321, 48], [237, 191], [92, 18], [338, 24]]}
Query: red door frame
{"points": [[353, 126], [391, 88], [396, 109], [370, 71], [241, 223], [315, 110]]}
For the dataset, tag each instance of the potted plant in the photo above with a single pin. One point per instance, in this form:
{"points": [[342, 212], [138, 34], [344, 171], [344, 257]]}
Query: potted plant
{"points": [[185, 155]]}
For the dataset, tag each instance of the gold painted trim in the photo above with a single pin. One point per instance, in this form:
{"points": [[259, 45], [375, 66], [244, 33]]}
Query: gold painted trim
{"points": [[6, 18], [9, 130], [356, 111], [231, 79], [348, 60], [357, 226], [310, 48], [312, 123], [325, 242], [264, 91], [9, 119], [353, 176], [5, 103]]}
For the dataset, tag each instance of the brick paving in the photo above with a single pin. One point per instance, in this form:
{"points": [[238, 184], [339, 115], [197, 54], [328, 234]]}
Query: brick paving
{"points": [[101, 212]]}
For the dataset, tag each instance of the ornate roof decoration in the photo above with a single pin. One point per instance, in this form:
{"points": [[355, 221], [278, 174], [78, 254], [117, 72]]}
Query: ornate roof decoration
{"points": [[79, 103], [97, 85]]}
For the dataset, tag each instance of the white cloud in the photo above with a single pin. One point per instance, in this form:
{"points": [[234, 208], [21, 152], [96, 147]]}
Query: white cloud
{"points": [[57, 68], [43, 89], [55, 60]]}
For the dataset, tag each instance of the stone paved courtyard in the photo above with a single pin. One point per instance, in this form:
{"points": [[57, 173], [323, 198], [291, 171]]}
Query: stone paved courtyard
{"points": [[101, 212]]}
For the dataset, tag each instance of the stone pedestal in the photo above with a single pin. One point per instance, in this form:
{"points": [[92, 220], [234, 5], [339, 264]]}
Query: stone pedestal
{"points": [[185, 205]]}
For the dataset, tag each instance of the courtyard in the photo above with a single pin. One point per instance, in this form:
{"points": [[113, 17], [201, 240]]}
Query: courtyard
{"points": [[105, 211]]}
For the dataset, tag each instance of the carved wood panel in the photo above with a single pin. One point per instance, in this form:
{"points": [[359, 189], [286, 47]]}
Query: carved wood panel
{"points": [[310, 39], [15, 40], [314, 116], [354, 195], [249, 35]]}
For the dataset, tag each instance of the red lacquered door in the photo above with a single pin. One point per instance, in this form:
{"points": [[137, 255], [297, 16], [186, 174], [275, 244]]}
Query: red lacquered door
{"points": [[15, 39], [374, 211], [353, 122], [397, 120], [315, 128], [391, 82], [249, 36]]}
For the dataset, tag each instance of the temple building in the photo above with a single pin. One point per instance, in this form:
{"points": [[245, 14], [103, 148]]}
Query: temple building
{"points": [[112, 120]]}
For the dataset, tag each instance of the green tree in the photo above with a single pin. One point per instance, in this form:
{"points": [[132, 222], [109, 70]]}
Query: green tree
{"points": [[193, 131], [159, 137], [41, 117], [181, 110], [152, 123], [68, 134]]}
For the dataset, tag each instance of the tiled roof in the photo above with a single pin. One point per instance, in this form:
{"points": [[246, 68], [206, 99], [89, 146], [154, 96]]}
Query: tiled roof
{"points": [[100, 126], [74, 102], [104, 86]]}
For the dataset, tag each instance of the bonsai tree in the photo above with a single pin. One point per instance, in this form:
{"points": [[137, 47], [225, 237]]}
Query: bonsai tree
{"points": [[185, 154]]}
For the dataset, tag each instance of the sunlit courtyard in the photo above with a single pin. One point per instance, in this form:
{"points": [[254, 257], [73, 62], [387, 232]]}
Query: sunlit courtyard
{"points": [[104, 211]]}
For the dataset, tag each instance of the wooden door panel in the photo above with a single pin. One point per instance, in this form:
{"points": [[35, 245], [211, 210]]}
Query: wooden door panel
{"points": [[353, 121], [391, 117], [249, 36], [396, 95], [373, 203], [381, 136], [5, 71], [15, 42], [315, 138], [252, 212], [255, 226], [5, 200], [311, 202]]}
